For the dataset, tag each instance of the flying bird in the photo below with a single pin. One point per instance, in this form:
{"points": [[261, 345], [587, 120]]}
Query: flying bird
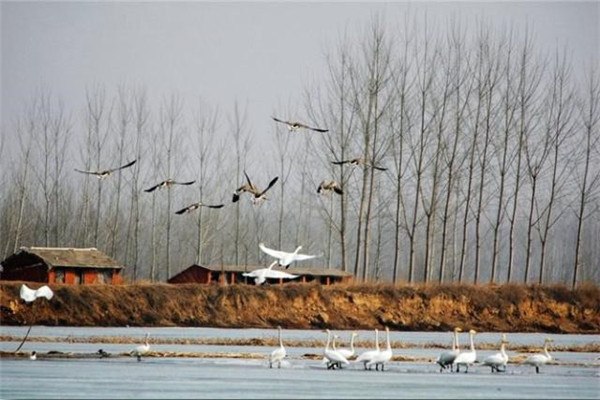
{"points": [[193, 207], [167, 184], [30, 295], [258, 195], [295, 125], [358, 161], [285, 258], [105, 173], [326, 187], [262, 274]]}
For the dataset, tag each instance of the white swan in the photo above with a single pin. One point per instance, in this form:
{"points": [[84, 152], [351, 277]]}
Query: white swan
{"points": [[30, 295], [334, 357], [540, 359], [284, 258], [446, 358], [495, 361], [368, 355], [347, 353], [466, 357], [261, 275], [279, 353], [141, 350], [383, 356]]}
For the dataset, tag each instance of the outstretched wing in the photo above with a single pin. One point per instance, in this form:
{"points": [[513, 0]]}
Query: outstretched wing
{"points": [[273, 253], [273, 181], [282, 121], [213, 205], [86, 172], [380, 168], [44, 291], [153, 188], [300, 257], [186, 209], [250, 187], [274, 274], [316, 129], [129, 164], [185, 183], [27, 294], [340, 162]]}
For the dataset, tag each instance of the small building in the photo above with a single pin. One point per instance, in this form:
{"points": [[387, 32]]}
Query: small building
{"points": [[205, 274], [61, 265]]}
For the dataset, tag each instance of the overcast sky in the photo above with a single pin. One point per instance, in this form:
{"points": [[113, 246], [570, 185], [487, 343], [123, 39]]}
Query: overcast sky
{"points": [[261, 54]]}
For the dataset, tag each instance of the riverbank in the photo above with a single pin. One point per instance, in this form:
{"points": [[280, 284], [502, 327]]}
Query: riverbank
{"points": [[492, 308]]}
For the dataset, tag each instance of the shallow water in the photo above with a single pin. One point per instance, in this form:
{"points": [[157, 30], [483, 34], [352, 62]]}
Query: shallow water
{"points": [[576, 375]]}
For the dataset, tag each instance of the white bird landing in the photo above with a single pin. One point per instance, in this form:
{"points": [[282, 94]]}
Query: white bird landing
{"points": [[30, 295], [285, 258], [261, 275]]}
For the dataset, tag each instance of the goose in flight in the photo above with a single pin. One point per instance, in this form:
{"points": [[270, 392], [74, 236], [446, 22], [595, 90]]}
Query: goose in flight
{"points": [[30, 295], [295, 125], [367, 356], [262, 274], [105, 173], [193, 207], [540, 359], [495, 361], [258, 195], [140, 350], [285, 259], [466, 357], [326, 187], [167, 184], [358, 161], [383, 356], [447, 358]]}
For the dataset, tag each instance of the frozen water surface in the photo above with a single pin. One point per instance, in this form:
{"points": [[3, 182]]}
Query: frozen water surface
{"points": [[298, 378]]}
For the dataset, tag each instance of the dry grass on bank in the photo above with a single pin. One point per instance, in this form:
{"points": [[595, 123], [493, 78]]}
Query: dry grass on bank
{"points": [[432, 307]]}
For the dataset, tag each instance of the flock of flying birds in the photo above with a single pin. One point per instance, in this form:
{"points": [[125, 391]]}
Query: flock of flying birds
{"points": [[257, 196], [335, 358]]}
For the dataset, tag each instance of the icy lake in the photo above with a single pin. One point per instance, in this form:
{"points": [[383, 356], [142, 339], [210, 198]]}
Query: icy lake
{"points": [[574, 375]]}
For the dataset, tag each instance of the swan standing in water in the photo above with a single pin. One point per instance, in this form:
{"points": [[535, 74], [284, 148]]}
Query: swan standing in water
{"points": [[262, 274], [285, 258], [347, 353], [368, 355], [446, 358], [279, 353], [540, 359], [383, 356], [495, 361], [141, 350], [334, 357], [466, 357]]}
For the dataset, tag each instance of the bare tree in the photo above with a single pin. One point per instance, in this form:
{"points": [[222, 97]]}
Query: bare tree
{"points": [[587, 178]]}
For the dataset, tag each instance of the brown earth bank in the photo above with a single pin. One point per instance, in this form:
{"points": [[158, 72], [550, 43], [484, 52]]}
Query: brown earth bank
{"points": [[492, 308]]}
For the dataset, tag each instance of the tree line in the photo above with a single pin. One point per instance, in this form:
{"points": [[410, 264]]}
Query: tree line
{"points": [[490, 149]]}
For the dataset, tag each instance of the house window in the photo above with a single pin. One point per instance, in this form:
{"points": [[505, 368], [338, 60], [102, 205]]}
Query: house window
{"points": [[59, 276], [104, 277]]}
